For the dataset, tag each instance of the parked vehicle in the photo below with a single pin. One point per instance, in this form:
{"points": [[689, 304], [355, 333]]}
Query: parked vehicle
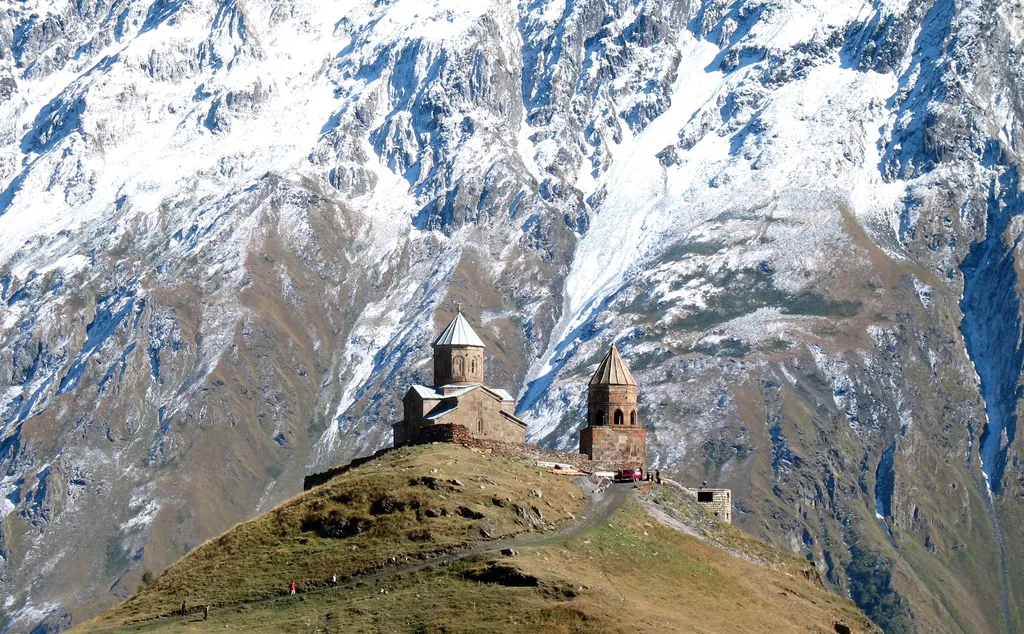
{"points": [[627, 475]]}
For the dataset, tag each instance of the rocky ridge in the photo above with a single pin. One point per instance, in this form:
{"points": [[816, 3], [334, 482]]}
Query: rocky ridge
{"points": [[228, 226]]}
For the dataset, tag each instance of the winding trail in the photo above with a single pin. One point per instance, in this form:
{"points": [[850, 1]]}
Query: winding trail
{"points": [[602, 505]]}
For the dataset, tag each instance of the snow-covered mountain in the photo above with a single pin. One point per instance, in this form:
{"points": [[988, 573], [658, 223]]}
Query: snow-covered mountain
{"points": [[230, 227]]}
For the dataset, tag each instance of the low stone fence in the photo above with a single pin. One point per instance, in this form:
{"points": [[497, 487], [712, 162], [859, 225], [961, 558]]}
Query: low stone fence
{"points": [[459, 435], [316, 479], [447, 432]]}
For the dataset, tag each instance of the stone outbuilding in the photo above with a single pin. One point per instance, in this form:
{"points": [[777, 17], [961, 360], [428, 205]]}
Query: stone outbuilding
{"points": [[458, 395], [717, 502], [613, 431]]}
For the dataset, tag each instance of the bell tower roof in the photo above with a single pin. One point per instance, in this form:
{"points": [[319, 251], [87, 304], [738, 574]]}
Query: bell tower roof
{"points": [[459, 333], [612, 371]]}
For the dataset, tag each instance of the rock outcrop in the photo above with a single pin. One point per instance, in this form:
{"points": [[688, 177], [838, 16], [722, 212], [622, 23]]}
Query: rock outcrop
{"points": [[227, 223]]}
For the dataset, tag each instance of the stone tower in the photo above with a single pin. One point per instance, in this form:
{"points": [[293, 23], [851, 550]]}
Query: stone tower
{"points": [[458, 355], [613, 432], [612, 393]]}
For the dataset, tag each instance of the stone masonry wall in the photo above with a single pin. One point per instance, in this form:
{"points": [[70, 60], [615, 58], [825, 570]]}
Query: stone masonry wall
{"points": [[720, 504], [624, 443], [481, 412], [316, 479], [459, 435]]}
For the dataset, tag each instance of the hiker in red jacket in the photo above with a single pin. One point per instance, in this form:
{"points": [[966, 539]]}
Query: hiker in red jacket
{"points": [[293, 587]]}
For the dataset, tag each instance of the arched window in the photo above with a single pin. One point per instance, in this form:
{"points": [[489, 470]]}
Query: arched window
{"points": [[460, 366], [632, 417], [599, 417], [472, 366], [480, 425], [618, 417]]}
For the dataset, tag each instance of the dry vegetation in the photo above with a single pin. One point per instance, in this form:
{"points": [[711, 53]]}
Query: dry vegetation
{"points": [[407, 505], [630, 574]]}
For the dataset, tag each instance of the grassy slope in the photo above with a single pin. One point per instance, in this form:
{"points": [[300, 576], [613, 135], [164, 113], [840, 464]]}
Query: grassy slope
{"points": [[389, 511], [631, 574]]}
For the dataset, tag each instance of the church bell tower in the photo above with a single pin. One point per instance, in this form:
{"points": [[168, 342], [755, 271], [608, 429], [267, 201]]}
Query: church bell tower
{"points": [[612, 393], [458, 355], [613, 432]]}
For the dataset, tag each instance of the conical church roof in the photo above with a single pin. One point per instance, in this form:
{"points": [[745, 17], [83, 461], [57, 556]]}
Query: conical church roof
{"points": [[612, 371], [459, 333]]}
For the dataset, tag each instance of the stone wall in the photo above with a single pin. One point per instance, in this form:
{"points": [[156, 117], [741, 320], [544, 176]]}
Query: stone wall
{"points": [[624, 443], [459, 435], [719, 504], [316, 479], [479, 411], [447, 432]]}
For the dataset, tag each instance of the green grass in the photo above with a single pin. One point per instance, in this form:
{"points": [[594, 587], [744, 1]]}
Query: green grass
{"points": [[629, 574], [725, 535], [408, 505]]}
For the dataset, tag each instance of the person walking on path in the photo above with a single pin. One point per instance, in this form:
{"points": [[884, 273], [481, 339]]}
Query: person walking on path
{"points": [[206, 612], [293, 588], [657, 476], [184, 609]]}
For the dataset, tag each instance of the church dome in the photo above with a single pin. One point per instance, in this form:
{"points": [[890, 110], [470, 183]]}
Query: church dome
{"points": [[459, 333], [612, 371]]}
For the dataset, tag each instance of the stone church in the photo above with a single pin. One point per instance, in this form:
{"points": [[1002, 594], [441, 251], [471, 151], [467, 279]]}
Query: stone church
{"points": [[458, 395], [613, 432]]}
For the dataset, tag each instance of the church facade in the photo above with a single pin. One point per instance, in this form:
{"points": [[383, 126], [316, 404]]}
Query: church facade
{"points": [[613, 432], [458, 394]]}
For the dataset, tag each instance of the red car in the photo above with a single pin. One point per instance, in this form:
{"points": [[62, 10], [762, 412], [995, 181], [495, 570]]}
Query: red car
{"points": [[627, 475]]}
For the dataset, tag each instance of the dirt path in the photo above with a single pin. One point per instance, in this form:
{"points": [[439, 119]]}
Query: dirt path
{"points": [[602, 505]]}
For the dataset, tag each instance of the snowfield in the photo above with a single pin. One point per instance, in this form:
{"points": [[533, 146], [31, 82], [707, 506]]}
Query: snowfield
{"points": [[230, 227]]}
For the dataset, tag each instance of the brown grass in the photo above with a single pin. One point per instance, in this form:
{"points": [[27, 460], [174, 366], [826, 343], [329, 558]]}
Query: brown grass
{"points": [[405, 506], [629, 575], [661, 580]]}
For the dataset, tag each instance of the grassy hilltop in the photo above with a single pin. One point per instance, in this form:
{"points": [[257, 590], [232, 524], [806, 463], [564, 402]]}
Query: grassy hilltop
{"points": [[540, 559]]}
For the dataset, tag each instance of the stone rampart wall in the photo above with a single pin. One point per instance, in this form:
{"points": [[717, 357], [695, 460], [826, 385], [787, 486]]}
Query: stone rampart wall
{"points": [[459, 435], [316, 479]]}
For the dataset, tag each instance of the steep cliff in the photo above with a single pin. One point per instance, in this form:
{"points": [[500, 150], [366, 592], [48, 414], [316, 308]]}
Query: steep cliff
{"points": [[228, 225]]}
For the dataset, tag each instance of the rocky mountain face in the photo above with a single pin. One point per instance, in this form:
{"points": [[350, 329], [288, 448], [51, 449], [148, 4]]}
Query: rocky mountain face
{"points": [[230, 229]]}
